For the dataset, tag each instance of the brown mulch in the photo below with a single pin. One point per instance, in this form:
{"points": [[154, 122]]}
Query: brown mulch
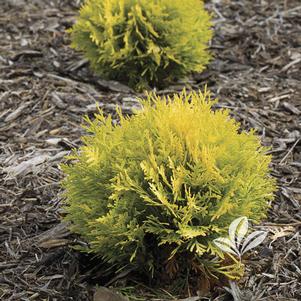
{"points": [[45, 90]]}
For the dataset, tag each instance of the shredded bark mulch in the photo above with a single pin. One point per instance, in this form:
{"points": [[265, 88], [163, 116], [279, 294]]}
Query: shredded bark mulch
{"points": [[45, 90]]}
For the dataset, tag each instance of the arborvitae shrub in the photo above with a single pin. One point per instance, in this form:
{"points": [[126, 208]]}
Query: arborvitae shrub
{"points": [[143, 42], [165, 182]]}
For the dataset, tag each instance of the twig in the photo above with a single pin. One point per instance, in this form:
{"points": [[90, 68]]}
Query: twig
{"points": [[288, 153]]}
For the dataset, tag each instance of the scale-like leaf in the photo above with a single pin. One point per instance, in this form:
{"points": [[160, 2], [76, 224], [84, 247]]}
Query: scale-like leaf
{"points": [[143, 43], [146, 185]]}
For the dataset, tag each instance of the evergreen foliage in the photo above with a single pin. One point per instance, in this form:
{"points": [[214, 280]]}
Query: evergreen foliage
{"points": [[143, 42], [165, 182]]}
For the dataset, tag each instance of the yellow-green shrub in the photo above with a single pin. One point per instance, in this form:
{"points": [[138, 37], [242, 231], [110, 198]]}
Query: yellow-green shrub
{"points": [[143, 42], [165, 182]]}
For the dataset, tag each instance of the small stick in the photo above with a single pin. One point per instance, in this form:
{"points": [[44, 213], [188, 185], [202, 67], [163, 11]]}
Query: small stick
{"points": [[290, 150]]}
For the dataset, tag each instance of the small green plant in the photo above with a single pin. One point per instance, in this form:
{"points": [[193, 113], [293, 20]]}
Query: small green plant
{"points": [[157, 189], [237, 244], [143, 42]]}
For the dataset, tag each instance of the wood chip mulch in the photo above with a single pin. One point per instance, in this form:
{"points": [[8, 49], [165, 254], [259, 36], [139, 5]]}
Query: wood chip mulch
{"points": [[45, 90]]}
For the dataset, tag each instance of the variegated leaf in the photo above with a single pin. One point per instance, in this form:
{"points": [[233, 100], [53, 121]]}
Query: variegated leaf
{"points": [[238, 229], [226, 245], [253, 240]]}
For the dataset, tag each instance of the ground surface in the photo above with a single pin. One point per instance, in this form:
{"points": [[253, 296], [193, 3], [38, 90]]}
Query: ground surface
{"points": [[46, 88]]}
